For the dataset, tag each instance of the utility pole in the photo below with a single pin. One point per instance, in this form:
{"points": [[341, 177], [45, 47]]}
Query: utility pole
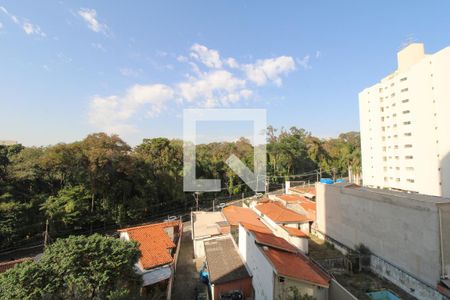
{"points": [[196, 199], [46, 233]]}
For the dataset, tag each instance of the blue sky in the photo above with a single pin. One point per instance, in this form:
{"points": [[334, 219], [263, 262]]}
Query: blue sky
{"points": [[71, 68]]}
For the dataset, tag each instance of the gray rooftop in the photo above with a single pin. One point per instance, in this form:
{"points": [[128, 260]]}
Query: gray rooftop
{"points": [[224, 262]]}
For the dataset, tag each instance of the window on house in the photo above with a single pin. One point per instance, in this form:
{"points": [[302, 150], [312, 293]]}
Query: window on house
{"points": [[281, 279], [407, 123], [404, 79], [406, 112], [405, 90], [410, 180], [408, 134], [408, 146], [408, 157], [405, 101]]}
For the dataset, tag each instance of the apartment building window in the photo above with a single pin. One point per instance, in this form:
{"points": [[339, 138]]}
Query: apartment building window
{"points": [[408, 134], [380, 90], [397, 168], [410, 180], [404, 90], [383, 128], [393, 95], [382, 109], [385, 179], [382, 119], [408, 157], [405, 112], [404, 79], [407, 123], [384, 158], [408, 146], [396, 157], [405, 100], [409, 169], [397, 179], [396, 147]]}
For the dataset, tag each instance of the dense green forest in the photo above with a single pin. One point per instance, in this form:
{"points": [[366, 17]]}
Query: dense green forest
{"points": [[102, 183]]}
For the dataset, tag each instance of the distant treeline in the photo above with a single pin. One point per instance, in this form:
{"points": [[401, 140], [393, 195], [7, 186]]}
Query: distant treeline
{"points": [[101, 181]]}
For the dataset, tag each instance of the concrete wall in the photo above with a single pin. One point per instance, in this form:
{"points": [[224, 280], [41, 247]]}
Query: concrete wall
{"points": [[404, 280], [402, 231], [261, 270], [338, 292], [283, 289]]}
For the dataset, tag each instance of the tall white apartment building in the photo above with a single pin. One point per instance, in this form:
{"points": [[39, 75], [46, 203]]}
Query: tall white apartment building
{"points": [[405, 125]]}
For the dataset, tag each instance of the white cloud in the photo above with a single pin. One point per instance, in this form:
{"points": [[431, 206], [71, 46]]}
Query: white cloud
{"points": [[32, 29], [90, 17], [219, 87], [269, 70], [211, 82], [27, 26], [304, 62], [232, 63], [208, 57], [128, 72], [112, 114], [98, 46], [1, 25], [318, 54]]}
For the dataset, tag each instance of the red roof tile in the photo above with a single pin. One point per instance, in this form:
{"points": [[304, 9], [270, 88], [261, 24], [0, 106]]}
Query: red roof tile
{"points": [[280, 214], [291, 198], [154, 243], [4, 266], [311, 190], [256, 228], [296, 265], [295, 232], [237, 214], [269, 239]]}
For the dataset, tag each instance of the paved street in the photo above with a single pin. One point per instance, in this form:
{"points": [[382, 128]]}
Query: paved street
{"points": [[186, 276]]}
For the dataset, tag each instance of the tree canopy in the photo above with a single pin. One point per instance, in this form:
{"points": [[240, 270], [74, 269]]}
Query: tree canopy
{"points": [[102, 183], [77, 267]]}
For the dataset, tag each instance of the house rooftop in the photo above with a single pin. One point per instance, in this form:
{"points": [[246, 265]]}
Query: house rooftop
{"points": [[5, 266], [224, 262], [287, 261], [237, 214], [207, 224], [280, 214], [297, 266], [399, 194], [295, 232], [155, 242]]}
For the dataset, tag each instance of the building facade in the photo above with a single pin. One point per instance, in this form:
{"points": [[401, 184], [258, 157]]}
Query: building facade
{"points": [[407, 234], [404, 121]]}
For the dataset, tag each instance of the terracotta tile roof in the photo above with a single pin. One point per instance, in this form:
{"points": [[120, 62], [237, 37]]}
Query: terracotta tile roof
{"points": [[299, 189], [237, 214], [4, 266], [296, 265], [291, 198], [295, 232], [256, 228], [280, 214], [154, 243], [269, 239]]}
